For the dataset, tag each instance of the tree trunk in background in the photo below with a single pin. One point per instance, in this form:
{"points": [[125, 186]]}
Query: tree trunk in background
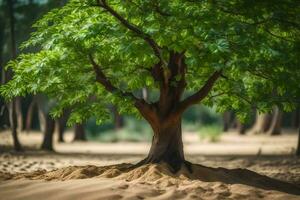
{"points": [[13, 121], [61, 125], [298, 146], [296, 119], [118, 119], [48, 133], [241, 128], [226, 121], [17, 103], [19, 114], [12, 107], [79, 133], [275, 128], [3, 114], [42, 120], [29, 115], [262, 123]]}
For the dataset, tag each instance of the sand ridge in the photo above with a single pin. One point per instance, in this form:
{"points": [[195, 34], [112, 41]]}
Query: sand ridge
{"points": [[201, 180]]}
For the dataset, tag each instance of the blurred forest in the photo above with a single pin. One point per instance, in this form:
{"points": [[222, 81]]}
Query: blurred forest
{"points": [[32, 113]]}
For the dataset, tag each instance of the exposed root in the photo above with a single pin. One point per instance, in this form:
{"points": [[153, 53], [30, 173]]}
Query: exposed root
{"points": [[174, 166]]}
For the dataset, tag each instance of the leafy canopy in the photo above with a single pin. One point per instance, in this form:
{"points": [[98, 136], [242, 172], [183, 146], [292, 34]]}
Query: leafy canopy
{"points": [[255, 44]]}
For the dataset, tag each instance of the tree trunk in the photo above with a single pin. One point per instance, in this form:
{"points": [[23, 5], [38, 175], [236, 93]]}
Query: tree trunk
{"points": [[262, 123], [275, 128], [12, 105], [13, 121], [296, 118], [79, 133], [42, 119], [298, 146], [241, 128], [29, 115], [19, 113], [167, 145], [118, 119], [3, 115], [226, 121], [61, 125], [48, 133]]}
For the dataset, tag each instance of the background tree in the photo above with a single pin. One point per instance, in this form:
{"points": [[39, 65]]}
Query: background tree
{"points": [[79, 132], [231, 54], [14, 106]]}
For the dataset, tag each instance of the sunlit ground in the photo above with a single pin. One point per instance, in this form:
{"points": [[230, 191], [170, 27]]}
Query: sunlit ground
{"points": [[269, 155]]}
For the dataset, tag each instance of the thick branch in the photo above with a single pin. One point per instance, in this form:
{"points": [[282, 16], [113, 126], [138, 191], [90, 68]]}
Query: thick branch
{"points": [[133, 28], [145, 109], [201, 94]]}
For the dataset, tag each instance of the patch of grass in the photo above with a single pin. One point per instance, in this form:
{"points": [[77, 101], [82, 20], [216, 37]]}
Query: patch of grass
{"points": [[211, 133]]}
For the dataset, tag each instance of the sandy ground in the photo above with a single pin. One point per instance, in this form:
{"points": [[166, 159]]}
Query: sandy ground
{"points": [[26, 175]]}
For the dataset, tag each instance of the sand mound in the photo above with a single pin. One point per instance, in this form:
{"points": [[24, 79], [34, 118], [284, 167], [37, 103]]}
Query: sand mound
{"points": [[160, 174], [151, 181]]}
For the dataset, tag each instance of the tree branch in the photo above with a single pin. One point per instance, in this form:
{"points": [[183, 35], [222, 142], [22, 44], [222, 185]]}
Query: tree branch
{"points": [[146, 37], [145, 109], [201, 94]]}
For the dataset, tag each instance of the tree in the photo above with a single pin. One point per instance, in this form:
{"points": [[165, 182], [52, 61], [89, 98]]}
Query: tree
{"points": [[262, 123], [44, 107], [226, 121], [275, 126], [61, 124], [3, 120], [118, 119], [298, 145], [14, 106], [79, 133], [231, 54]]}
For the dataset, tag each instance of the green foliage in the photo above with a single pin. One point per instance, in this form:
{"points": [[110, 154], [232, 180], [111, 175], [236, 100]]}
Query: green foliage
{"points": [[256, 43]]}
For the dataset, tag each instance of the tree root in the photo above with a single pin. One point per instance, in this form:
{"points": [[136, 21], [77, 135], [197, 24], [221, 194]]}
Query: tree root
{"points": [[175, 166]]}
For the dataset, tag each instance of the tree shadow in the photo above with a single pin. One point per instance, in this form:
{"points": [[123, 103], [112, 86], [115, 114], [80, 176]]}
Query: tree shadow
{"points": [[242, 176]]}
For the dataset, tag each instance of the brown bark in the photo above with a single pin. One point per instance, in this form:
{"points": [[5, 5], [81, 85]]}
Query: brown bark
{"points": [[61, 125], [12, 106], [19, 113], [118, 119], [296, 119], [298, 146], [29, 115], [275, 127], [13, 122], [48, 133], [18, 102], [79, 134], [3, 114], [42, 119], [167, 145], [226, 121]]}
